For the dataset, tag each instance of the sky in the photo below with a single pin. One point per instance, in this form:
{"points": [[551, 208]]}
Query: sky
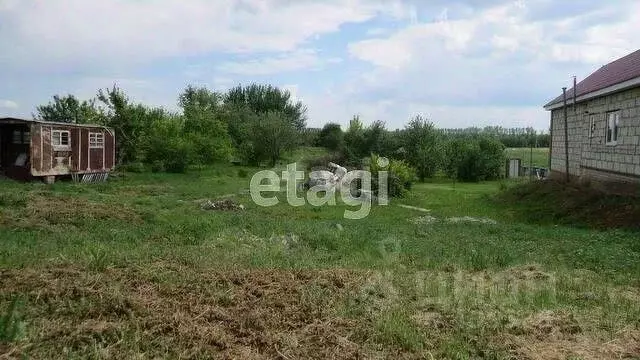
{"points": [[458, 63]]}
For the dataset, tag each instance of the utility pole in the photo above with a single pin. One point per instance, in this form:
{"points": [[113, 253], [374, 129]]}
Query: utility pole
{"points": [[566, 134]]}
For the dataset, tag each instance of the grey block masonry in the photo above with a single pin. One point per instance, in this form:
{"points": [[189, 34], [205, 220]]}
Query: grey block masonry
{"points": [[589, 154]]}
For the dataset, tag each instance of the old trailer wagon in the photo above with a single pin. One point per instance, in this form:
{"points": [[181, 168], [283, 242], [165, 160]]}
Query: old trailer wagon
{"points": [[31, 148]]}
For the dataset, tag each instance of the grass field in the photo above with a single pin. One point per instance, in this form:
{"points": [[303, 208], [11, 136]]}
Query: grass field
{"points": [[540, 156], [134, 268]]}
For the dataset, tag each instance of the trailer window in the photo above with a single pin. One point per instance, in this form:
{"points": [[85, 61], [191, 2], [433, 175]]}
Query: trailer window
{"points": [[17, 137], [96, 140], [21, 137], [60, 139]]}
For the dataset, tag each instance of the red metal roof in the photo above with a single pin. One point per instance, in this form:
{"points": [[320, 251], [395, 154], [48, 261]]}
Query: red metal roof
{"points": [[616, 72]]}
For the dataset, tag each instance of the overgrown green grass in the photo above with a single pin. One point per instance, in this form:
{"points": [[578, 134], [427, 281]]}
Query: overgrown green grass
{"points": [[465, 278]]}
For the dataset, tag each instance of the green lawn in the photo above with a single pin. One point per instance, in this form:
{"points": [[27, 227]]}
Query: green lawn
{"points": [[540, 156], [135, 269]]}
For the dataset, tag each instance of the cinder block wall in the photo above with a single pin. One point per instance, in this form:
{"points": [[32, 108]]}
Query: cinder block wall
{"points": [[589, 156]]}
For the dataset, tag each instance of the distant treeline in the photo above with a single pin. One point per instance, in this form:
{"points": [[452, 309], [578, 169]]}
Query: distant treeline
{"points": [[258, 124], [510, 137]]}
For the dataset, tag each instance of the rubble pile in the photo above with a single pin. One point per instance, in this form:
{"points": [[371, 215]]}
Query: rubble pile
{"points": [[221, 205]]}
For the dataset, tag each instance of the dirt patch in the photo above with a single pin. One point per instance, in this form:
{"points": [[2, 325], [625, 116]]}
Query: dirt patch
{"points": [[219, 314], [168, 310], [527, 272], [626, 345], [44, 210], [549, 325], [556, 335]]}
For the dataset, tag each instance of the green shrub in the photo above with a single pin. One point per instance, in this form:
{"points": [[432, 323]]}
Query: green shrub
{"points": [[400, 176], [473, 159], [242, 173]]}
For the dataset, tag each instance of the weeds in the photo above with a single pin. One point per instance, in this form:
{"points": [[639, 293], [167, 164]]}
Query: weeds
{"points": [[98, 259], [12, 326]]}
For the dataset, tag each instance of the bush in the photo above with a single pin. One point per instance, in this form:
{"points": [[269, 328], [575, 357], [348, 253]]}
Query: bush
{"points": [[473, 160], [400, 176]]}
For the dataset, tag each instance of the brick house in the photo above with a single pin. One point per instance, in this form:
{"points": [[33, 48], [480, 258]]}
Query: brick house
{"points": [[603, 127]]}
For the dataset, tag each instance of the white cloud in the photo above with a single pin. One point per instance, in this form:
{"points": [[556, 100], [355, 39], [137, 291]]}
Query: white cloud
{"points": [[8, 104], [286, 62], [121, 31], [491, 66], [469, 66]]}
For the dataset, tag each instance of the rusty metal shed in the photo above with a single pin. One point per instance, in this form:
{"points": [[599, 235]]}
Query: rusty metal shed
{"points": [[32, 148]]}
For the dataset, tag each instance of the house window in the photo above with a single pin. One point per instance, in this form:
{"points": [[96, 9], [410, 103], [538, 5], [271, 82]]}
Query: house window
{"points": [[96, 140], [613, 127], [60, 139], [593, 125]]}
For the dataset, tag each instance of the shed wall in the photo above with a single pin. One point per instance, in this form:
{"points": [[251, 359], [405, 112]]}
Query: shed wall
{"points": [[79, 159]]}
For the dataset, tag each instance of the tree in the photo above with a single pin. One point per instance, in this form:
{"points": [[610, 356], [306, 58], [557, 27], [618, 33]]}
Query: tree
{"points": [[165, 147], [374, 137], [272, 134], [68, 109], [421, 147], [198, 101], [262, 99], [204, 127], [473, 159], [354, 140], [130, 122], [331, 137]]}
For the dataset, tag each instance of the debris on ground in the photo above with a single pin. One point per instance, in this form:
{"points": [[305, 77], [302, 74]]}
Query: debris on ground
{"points": [[428, 219], [424, 220], [469, 219], [414, 208], [222, 205], [288, 241]]}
